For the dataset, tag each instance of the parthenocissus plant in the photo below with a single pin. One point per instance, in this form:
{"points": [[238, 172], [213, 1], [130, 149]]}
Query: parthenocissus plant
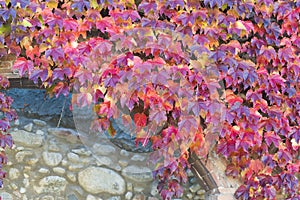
{"points": [[251, 46]]}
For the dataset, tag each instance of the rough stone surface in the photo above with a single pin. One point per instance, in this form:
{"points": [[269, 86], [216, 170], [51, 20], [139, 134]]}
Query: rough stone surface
{"points": [[28, 127], [104, 149], [40, 107], [27, 138], [97, 179], [137, 173], [52, 158], [61, 170], [65, 133], [13, 173], [51, 184], [39, 122]]}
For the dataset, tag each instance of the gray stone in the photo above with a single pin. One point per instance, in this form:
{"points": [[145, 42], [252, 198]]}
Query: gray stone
{"points": [[64, 162], [97, 179], [13, 173], [128, 195], [71, 176], [154, 190], [32, 161], [117, 167], [138, 173], [53, 146], [39, 122], [75, 167], [59, 170], [103, 160], [138, 157], [129, 186], [22, 190], [28, 127], [44, 171], [27, 139], [139, 197], [47, 197], [40, 132], [189, 173], [13, 186], [90, 197], [123, 163], [201, 192], [16, 122], [194, 188], [72, 197], [73, 157], [138, 189], [51, 184], [82, 152], [52, 158], [6, 196], [189, 195], [154, 198], [22, 154], [124, 153], [26, 182], [114, 198], [104, 149], [68, 134]]}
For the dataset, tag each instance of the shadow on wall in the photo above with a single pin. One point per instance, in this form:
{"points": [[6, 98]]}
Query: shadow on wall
{"points": [[36, 103]]}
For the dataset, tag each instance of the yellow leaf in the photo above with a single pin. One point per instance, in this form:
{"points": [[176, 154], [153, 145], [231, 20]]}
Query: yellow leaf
{"points": [[25, 42], [240, 25], [199, 64], [112, 132], [43, 47], [49, 72], [5, 28], [52, 4], [26, 23], [94, 3]]}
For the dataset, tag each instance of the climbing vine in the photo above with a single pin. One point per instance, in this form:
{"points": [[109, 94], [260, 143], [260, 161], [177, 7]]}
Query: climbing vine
{"points": [[195, 59]]}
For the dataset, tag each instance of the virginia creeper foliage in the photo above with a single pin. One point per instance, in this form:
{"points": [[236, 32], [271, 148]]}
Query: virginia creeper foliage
{"points": [[252, 45], [7, 115]]}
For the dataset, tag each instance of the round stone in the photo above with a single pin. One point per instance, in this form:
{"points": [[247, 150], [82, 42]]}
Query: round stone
{"points": [[52, 158], [51, 184], [96, 180], [6, 196], [13, 173]]}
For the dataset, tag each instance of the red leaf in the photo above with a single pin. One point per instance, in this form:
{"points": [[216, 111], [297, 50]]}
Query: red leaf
{"points": [[70, 24], [140, 119], [272, 137], [256, 165], [31, 52]]}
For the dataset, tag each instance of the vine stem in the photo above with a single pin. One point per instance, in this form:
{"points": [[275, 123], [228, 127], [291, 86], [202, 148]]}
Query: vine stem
{"points": [[62, 112]]}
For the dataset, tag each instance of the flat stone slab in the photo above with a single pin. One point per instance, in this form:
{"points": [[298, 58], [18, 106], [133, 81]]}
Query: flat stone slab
{"points": [[26, 138]]}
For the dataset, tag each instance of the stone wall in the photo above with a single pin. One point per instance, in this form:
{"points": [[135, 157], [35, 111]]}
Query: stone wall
{"points": [[37, 141], [49, 163]]}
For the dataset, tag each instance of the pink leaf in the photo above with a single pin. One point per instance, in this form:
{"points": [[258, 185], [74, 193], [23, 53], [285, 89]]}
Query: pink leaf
{"points": [[23, 65]]}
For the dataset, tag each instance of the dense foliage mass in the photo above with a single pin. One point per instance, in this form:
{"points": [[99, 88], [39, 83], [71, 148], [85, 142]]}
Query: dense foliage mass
{"points": [[252, 46]]}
